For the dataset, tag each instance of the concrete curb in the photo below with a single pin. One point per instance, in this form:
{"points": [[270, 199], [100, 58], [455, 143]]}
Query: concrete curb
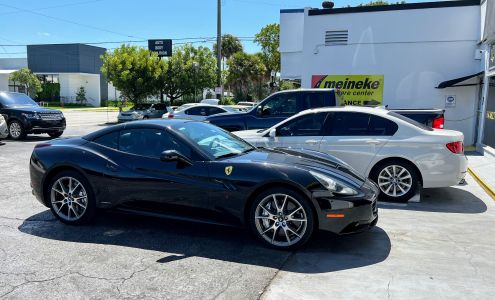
{"points": [[483, 184]]}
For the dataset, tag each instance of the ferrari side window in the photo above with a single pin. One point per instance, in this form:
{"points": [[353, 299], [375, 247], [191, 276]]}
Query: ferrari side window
{"points": [[149, 142], [110, 140]]}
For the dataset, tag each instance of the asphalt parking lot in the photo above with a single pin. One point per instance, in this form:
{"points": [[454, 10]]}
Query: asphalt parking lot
{"points": [[441, 248]]}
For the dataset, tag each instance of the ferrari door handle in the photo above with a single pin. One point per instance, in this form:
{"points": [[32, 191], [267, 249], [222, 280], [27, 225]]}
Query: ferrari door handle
{"points": [[111, 167], [312, 142]]}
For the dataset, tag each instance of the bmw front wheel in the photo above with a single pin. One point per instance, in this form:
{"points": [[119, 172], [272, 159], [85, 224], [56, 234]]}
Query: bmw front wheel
{"points": [[282, 218]]}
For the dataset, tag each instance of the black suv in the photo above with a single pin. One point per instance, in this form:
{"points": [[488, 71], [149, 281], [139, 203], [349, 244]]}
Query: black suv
{"points": [[275, 108], [26, 116]]}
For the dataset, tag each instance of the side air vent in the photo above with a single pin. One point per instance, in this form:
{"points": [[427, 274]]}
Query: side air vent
{"points": [[336, 37]]}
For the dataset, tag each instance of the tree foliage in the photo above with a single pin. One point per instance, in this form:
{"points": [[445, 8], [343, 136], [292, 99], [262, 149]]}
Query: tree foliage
{"points": [[134, 71], [25, 77], [81, 95], [246, 73], [189, 69], [230, 45], [269, 40]]}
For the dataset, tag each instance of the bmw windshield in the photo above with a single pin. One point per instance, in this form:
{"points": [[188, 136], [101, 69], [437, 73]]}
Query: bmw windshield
{"points": [[16, 100], [213, 140]]}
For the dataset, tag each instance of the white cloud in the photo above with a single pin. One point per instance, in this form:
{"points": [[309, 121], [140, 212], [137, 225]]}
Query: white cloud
{"points": [[46, 34]]}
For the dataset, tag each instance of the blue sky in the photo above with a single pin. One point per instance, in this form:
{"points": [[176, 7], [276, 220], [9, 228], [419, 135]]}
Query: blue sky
{"points": [[65, 21]]}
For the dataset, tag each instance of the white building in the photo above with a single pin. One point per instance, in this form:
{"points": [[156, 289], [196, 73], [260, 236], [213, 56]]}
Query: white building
{"points": [[72, 66], [422, 55]]}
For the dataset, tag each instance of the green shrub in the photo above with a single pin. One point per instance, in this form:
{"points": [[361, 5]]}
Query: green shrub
{"points": [[50, 92]]}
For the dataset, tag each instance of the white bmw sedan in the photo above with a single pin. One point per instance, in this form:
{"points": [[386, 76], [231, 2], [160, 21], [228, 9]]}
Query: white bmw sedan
{"points": [[197, 112], [396, 152]]}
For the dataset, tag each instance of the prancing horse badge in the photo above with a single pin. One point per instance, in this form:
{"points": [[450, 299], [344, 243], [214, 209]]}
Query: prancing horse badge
{"points": [[228, 170]]}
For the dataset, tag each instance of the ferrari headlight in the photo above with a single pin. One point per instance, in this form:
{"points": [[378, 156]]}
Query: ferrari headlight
{"points": [[333, 185]]}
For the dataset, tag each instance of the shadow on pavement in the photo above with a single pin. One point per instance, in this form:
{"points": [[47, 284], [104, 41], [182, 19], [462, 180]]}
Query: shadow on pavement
{"points": [[30, 138], [325, 253], [447, 200]]}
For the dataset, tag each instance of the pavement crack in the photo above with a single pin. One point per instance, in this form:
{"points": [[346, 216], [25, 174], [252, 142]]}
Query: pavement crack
{"points": [[229, 283], [388, 288], [31, 281], [265, 288]]}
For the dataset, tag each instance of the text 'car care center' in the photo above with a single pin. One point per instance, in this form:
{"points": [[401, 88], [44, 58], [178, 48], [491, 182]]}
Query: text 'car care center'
{"points": [[414, 55]]}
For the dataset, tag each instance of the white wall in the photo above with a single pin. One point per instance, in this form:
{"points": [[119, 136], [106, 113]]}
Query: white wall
{"points": [[415, 50], [71, 82], [4, 82], [113, 93]]}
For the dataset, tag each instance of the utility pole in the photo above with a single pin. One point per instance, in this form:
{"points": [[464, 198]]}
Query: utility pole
{"points": [[219, 49]]}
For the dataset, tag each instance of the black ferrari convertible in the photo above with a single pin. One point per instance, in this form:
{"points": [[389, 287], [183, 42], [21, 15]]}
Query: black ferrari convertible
{"points": [[196, 171]]}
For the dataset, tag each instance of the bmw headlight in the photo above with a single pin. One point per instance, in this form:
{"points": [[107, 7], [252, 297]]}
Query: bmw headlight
{"points": [[334, 185], [31, 115], [137, 115]]}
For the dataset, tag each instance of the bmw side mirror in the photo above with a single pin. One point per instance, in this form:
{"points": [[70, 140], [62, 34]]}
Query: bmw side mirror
{"points": [[175, 156], [272, 133], [259, 110]]}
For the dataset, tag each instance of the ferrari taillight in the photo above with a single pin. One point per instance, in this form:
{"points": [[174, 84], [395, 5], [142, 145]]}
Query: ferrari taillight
{"points": [[456, 147]]}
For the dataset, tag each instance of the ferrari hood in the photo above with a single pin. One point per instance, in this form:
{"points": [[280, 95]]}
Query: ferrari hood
{"points": [[304, 159]]}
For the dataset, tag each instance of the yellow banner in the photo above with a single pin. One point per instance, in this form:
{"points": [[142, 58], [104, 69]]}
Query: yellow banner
{"points": [[353, 89]]}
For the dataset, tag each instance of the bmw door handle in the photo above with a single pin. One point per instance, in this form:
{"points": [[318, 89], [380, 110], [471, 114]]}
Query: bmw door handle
{"points": [[373, 142], [312, 142]]}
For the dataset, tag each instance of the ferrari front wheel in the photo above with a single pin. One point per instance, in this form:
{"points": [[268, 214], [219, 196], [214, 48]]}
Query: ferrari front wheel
{"points": [[282, 218]]}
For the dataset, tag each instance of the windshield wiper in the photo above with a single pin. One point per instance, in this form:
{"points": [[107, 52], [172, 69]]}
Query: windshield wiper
{"points": [[227, 155], [234, 153]]}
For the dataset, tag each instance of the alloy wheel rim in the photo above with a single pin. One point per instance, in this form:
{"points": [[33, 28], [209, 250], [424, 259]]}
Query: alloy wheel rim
{"points": [[395, 181], [15, 130], [281, 220], [69, 198]]}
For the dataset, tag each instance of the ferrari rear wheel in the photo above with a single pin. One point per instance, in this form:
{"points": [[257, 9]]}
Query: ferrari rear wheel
{"points": [[282, 218], [71, 198]]}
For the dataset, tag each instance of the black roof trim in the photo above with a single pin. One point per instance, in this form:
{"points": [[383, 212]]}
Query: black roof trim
{"points": [[452, 82], [291, 10], [361, 9]]}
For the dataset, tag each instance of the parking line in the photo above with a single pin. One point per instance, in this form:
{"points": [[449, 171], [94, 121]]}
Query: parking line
{"points": [[483, 184]]}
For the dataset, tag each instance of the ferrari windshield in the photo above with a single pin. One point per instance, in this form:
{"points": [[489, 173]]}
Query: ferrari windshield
{"points": [[16, 99], [213, 140]]}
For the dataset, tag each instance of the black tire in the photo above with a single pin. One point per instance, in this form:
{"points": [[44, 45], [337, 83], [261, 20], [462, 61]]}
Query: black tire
{"points": [[257, 228], [399, 183], [55, 134], [16, 130], [146, 118], [90, 202]]}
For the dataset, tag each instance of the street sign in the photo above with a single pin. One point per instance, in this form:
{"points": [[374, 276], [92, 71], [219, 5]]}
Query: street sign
{"points": [[161, 47], [218, 90]]}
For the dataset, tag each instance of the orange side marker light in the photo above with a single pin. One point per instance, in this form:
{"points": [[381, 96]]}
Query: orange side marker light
{"points": [[335, 216]]}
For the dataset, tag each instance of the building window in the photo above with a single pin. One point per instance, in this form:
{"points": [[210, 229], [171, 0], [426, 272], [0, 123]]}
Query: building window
{"points": [[48, 78], [14, 87]]}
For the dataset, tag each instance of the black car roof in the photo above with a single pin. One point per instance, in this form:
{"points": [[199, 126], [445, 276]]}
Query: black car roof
{"points": [[165, 123]]}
